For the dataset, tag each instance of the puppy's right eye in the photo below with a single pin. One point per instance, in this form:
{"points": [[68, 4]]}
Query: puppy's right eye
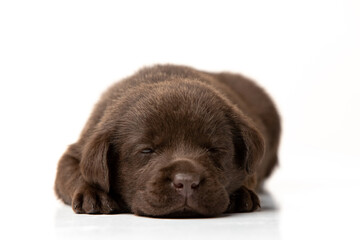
{"points": [[147, 151]]}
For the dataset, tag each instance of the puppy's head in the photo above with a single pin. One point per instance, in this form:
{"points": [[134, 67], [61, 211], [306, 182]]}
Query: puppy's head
{"points": [[172, 150]]}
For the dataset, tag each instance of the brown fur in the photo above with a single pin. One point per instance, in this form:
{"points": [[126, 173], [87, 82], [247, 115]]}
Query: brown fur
{"points": [[220, 131]]}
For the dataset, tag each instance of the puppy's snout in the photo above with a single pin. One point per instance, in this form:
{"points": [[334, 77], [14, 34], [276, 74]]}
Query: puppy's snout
{"points": [[186, 183]]}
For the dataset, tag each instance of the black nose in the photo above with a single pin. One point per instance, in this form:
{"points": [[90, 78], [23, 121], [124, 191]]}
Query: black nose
{"points": [[186, 183]]}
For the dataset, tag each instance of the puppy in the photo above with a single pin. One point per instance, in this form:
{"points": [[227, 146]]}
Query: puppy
{"points": [[172, 141]]}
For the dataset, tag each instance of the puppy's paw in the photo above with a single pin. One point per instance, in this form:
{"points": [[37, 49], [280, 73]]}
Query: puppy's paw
{"points": [[93, 201], [243, 200]]}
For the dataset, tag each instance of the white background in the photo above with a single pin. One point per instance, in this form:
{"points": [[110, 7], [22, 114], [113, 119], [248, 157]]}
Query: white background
{"points": [[57, 57]]}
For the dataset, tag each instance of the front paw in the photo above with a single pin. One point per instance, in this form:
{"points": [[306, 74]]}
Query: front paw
{"points": [[243, 200], [90, 200]]}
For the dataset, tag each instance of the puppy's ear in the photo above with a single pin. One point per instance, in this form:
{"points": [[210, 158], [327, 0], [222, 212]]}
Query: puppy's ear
{"points": [[94, 161], [248, 142]]}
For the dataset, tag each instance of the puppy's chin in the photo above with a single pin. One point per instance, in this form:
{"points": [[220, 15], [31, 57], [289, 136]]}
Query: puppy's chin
{"points": [[174, 206]]}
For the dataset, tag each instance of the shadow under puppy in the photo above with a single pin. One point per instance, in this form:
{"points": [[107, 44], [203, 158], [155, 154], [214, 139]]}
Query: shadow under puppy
{"points": [[173, 141]]}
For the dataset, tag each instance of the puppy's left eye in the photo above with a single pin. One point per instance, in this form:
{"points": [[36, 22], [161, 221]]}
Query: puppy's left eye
{"points": [[212, 150], [147, 151]]}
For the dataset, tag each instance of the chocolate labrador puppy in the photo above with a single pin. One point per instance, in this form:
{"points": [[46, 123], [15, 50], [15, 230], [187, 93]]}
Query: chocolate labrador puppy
{"points": [[172, 141]]}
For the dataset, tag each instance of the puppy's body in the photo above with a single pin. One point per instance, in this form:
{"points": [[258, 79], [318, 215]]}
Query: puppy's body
{"points": [[173, 141]]}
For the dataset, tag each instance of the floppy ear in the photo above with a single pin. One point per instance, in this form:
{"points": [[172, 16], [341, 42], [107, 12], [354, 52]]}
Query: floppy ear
{"points": [[248, 142], [94, 161]]}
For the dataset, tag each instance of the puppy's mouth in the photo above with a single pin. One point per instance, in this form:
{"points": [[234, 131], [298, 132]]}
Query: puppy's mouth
{"points": [[165, 205], [179, 209]]}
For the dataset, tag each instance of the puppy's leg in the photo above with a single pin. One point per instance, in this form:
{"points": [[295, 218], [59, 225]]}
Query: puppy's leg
{"points": [[243, 200], [88, 199], [73, 190]]}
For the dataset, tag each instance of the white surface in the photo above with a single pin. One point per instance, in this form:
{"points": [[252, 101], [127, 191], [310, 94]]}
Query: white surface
{"points": [[57, 57]]}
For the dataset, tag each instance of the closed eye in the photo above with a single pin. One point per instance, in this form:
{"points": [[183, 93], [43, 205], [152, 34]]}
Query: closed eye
{"points": [[147, 151], [215, 150], [212, 150]]}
